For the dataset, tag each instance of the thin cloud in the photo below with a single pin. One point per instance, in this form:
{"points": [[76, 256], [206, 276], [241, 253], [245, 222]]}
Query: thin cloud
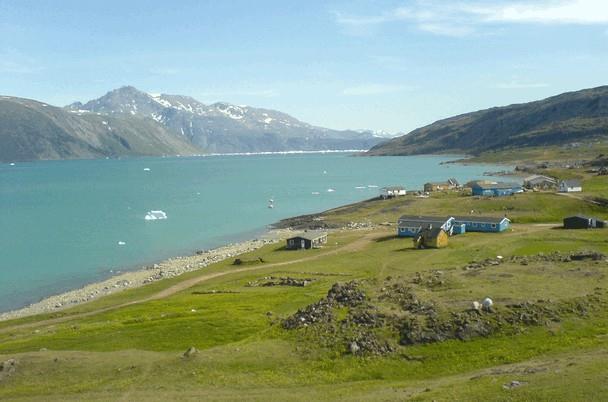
{"points": [[164, 71], [10, 67], [374, 89], [515, 84], [261, 93], [464, 19]]}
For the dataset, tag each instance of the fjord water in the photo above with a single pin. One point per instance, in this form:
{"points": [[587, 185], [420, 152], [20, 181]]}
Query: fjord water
{"points": [[61, 221]]}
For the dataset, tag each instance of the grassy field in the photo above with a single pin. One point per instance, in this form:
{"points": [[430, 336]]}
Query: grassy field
{"points": [[98, 351]]}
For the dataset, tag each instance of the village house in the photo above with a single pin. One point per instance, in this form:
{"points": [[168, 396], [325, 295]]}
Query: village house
{"points": [[474, 223], [570, 186], [307, 240], [392, 191], [450, 184], [431, 238], [410, 225], [540, 182], [495, 189], [583, 222]]}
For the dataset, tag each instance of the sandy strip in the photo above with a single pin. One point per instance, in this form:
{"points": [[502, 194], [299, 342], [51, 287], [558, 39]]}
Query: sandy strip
{"points": [[167, 269]]}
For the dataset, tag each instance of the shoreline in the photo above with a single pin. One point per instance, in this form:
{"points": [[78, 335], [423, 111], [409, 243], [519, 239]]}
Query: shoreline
{"points": [[168, 268]]}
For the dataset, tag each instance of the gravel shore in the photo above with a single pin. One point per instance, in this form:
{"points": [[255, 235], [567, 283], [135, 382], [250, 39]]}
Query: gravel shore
{"points": [[132, 279]]}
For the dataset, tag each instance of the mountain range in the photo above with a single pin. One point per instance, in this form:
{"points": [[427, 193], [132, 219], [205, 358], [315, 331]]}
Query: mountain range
{"points": [[558, 120], [129, 122]]}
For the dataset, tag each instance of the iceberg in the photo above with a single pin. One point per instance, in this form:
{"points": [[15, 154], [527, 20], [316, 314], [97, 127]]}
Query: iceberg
{"points": [[155, 215]]}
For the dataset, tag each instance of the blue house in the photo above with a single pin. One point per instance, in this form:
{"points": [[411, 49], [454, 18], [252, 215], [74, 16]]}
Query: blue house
{"points": [[496, 189], [410, 225], [482, 223]]}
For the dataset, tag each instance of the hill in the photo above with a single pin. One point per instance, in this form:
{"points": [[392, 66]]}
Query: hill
{"points": [[223, 127], [31, 130], [558, 120]]}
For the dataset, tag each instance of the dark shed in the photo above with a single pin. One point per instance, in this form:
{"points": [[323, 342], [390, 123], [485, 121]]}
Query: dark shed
{"points": [[306, 240], [579, 222]]}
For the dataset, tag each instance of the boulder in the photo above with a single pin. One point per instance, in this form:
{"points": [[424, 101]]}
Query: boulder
{"points": [[191, 352]]}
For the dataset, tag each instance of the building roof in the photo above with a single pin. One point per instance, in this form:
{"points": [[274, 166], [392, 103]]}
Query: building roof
{"points": [[417, 218], [539, 178], [483, 219], [431, 233], [414, 221], [500, 185], [571, 183], [579, 217], [310, 235], [393, 188]]}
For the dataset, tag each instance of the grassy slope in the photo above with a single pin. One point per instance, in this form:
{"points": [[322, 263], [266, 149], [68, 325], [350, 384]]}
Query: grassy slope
{"points": [[134, 352]]}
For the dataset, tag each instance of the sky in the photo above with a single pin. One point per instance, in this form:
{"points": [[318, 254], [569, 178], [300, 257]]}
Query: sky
{"points": [[380, 65]]}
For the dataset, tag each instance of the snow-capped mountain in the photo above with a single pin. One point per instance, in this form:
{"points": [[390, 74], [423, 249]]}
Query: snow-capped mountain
{"points": [[223, 127]]}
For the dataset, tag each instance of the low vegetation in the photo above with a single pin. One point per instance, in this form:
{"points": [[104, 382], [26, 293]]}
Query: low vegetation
{"points": [[367, 317]]}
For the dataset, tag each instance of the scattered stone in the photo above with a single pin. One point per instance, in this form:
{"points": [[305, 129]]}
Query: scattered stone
{"points": [[280, 281], [8, 366], [487, 304], [354, 348], [191, 352], [513, 384], [476, 306]]}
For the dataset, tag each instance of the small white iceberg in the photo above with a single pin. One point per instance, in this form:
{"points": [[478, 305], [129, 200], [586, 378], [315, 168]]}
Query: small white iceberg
{"points": [[12, 164], [146, 169], [155, 215], [372, 186], [315, 193], [330, 190], [121, 243], [360, 187]]}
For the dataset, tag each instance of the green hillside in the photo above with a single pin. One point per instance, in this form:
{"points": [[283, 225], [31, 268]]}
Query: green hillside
{"points": [[580, 116]]}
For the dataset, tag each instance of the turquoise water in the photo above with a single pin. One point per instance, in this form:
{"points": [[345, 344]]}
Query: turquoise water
{"points": [[61, 221]]}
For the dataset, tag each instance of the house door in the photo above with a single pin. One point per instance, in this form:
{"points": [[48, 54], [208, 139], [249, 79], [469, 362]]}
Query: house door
{"points": [[303, 243]]}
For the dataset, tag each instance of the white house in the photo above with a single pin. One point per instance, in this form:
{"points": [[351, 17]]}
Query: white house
{"points": [[570, 186], [392, 191]]}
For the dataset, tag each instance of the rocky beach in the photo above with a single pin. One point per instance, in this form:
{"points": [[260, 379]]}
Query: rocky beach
{"points": [[169, 268]]}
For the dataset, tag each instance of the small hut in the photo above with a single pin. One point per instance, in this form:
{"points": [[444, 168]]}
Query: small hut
{"points": [[307, 240], [431, 238]]}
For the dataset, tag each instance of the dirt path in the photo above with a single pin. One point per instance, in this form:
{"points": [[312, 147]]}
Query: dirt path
{"points": [[354, 246], [580, 198]]}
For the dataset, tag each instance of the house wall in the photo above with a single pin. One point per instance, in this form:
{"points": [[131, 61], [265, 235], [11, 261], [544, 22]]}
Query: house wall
{"points": [[496, 192], [476, 226], [576, 223], [407, 231]]}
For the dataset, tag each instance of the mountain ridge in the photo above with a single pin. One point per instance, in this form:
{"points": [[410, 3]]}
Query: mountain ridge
{"points": [[223, 127], [33, 130]]}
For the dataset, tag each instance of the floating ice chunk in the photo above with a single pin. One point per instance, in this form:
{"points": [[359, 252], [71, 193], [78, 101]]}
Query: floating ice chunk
{"points": [[12, 164], [372, 186], [325, 172], [360, 187], [330, 190], [155, 215], [315, 193], [146, 169], [121, 243]]}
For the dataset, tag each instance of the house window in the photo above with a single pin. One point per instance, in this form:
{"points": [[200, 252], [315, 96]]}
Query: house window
{"points": [[493, 226], [474, 224], [291, 242]]}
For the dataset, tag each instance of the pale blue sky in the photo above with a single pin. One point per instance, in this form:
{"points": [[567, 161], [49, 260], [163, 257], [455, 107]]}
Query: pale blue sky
{"points": [[384, 65]]}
